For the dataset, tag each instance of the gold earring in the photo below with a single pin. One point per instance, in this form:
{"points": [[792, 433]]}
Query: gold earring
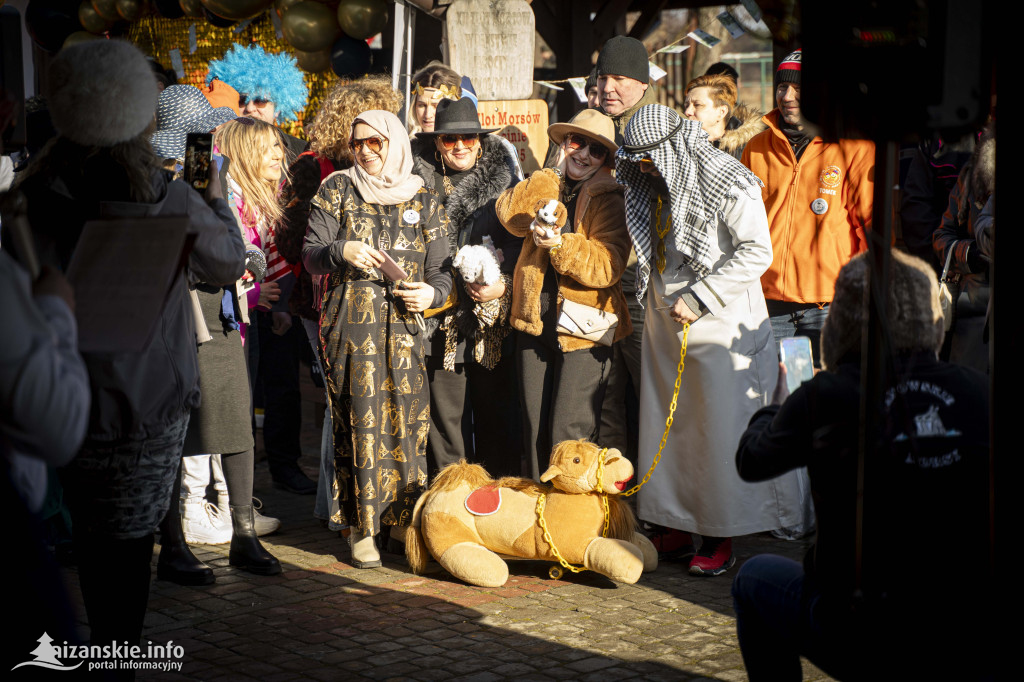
{"points": [[479, 152], [445, 182]]}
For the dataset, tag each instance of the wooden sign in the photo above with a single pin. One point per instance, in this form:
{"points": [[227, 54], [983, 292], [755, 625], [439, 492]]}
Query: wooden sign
{"points": [[491, 41], [524, 123]]}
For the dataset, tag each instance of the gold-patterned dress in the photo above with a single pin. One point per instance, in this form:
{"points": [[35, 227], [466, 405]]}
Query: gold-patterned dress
{"points": [[372, 347]]}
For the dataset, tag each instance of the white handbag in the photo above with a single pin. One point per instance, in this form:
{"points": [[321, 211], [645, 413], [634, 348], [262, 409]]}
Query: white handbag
{"points": [[587, 322]]}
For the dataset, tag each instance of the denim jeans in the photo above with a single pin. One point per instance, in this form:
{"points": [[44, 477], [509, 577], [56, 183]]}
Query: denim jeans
{"points": [[798, 319], [774, 618]]}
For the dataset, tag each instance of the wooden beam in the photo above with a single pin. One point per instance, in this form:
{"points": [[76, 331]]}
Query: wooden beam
{"points": [[548, 24], [648, 16], [607, 16]]}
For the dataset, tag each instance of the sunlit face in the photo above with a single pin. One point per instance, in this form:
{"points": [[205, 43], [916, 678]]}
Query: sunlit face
{"points": [[462, 154], [699, 106], [580, 163], [787, 99], [261, 109], [619, 93], [368, 159], [593, 98], [424, 107], [270, 165]]}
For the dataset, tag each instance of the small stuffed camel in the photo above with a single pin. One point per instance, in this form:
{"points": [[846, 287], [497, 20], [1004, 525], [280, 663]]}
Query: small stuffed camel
{"points": [[467, 520]]}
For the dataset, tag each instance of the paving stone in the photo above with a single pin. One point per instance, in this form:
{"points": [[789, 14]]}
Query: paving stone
{"points": [[322, 619]]}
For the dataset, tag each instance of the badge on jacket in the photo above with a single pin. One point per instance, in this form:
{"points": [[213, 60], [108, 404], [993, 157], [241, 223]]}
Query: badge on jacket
{"points": [[819, 206], [412, 217]]}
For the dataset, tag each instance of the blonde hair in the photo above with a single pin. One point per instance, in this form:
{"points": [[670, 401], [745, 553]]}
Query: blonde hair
{"points": [[331, 130], [721, 88], [245, 144]]}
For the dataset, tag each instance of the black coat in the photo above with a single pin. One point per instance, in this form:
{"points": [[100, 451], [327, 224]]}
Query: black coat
{"points": [[470, 208], [926, 487]]}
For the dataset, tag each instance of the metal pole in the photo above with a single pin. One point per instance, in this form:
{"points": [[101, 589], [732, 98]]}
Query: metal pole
{"points": [[875, 357]]}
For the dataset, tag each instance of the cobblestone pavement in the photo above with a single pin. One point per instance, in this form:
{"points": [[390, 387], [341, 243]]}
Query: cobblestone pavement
{"points": [[322, 619]]}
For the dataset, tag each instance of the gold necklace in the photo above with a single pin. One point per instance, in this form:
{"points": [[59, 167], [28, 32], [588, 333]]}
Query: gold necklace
{"points": [[660, 259]]}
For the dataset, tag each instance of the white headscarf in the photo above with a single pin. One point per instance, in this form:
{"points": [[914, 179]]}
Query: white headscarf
{"points": [[396, 182]]}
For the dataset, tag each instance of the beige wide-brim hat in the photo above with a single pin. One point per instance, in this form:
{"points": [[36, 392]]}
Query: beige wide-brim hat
{"points": [[589, 122]]}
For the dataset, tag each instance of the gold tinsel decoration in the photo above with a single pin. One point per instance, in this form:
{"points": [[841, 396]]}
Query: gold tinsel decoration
{"points": [[157, 36]]}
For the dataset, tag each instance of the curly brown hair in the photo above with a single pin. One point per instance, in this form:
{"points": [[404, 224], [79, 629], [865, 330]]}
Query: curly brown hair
{"points": [[331, 130]]}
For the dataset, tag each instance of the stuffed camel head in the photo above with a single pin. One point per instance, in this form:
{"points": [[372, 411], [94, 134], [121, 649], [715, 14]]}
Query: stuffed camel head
{"points": [[575, 464]]}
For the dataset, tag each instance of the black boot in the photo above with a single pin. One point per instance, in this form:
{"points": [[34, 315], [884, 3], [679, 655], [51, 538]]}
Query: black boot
{"points": [[177, 563], [246, 551]]}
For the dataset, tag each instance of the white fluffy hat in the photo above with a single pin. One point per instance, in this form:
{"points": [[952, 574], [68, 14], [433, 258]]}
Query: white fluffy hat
{"points": [[101, 92]]}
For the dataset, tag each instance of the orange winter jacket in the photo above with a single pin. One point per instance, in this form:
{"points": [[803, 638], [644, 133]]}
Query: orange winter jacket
{"points": [[818, 209]]}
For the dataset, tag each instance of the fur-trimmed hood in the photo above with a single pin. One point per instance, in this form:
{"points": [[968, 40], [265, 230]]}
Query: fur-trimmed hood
{"points": [[979, 174], [490, 177], [743, 125], [984, 182]]}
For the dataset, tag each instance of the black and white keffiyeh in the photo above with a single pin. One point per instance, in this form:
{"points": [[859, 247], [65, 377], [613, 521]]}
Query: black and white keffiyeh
{"points": [[698, 177]]}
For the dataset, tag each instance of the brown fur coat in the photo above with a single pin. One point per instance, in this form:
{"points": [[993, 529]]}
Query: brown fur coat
{"points": [[589, 262]]}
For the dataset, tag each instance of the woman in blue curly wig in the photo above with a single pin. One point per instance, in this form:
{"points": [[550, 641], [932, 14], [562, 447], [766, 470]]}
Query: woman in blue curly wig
{"points": [[270, 86]]}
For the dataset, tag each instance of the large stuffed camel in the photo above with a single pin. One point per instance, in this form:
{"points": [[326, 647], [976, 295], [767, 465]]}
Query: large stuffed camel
{"points": [[467, 520]]}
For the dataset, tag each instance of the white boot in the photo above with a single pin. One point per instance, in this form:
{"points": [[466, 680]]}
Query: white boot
{"points": [[203, 524], [264, 525], [364, 550]]}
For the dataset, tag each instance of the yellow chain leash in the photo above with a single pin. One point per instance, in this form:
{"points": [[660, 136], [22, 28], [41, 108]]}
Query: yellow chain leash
{"points": [[671, 414], [554, 572]]}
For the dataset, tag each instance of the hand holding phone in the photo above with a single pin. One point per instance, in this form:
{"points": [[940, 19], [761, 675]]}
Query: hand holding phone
{"points": [[795, 354], [198, 159], [391, 269]]}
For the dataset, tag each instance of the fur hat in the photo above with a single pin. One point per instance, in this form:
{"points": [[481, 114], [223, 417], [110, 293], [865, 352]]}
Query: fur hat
{"points": [[915, 316], [101, 92], [624, 56], [255, 74]]}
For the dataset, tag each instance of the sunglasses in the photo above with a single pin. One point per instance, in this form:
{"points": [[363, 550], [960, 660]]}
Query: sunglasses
{"points": [[374, 144], [646, 165], [574, 142], [448, 141]]}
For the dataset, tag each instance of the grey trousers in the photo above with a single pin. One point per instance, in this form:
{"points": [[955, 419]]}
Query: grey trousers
{"points": [[561, 395]]}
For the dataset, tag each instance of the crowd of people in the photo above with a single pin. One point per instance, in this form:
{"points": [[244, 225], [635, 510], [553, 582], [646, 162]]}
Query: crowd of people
{"points": [[706, 235]]}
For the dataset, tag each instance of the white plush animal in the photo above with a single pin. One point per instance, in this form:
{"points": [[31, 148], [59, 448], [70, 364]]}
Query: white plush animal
{"points": [[478, 263]]}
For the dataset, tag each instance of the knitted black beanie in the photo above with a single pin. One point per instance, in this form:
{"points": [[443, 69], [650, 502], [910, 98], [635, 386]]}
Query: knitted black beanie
{"points": [[624, 56], [789, 69]]}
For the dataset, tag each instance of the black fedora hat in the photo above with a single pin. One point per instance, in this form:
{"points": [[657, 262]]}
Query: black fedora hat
{"points": [[457, 117]]}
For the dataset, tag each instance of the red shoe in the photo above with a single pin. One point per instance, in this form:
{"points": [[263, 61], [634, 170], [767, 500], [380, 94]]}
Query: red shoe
{"points": [[715, 557], [672, 544]]}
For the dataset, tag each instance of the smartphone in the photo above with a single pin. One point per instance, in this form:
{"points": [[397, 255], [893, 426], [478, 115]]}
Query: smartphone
{"points": [[391, 269], [198, 159], [795, 354]]}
